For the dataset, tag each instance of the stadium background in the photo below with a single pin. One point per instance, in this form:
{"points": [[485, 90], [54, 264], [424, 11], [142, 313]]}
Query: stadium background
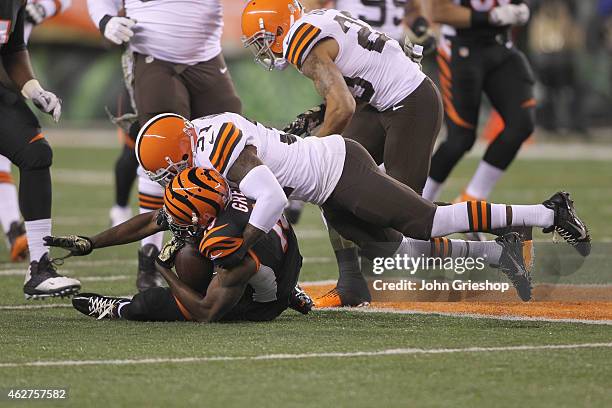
{"points": [[72, 59], [549, 353]]}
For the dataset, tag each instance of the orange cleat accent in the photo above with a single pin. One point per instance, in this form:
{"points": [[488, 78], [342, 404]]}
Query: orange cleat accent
{"points": [[466, 197], [528, 255], [333, 299], [19, 249], [330, 299]]}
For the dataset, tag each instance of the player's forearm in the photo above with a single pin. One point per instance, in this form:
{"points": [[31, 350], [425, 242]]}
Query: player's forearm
{"points": [[412, 10], [189, 298], [447, 12], [337, 116], [18, 67], [132, 230]]}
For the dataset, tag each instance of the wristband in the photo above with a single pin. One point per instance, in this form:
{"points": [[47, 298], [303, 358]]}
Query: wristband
{"points": [[31, 88], [479, 19], [104, 22]]}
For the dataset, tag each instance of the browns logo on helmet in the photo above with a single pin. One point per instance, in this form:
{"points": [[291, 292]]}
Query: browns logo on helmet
{"points": [[193, 199], [165, 146], [265, 24]]}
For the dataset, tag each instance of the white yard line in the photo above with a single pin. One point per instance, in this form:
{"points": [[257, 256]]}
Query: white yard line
{"points": [[304, 356]]}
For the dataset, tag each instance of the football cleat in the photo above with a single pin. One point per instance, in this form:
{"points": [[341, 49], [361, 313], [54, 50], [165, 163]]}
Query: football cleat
{"points": [[512, 264], [18, 241], [119, 215], [45, 282], [334, 299], [98, 306], [567, 223], [300, 301], [148, 277]]}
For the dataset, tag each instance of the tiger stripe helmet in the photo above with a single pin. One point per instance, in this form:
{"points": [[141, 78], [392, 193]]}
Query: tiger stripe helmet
{"points": [[165, 146], [265, 24], [193, 199]]}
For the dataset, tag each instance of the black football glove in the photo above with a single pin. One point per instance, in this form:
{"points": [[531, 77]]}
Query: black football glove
{"points": [[306, 122], [420, 33], [76, 244], [168, 253]]}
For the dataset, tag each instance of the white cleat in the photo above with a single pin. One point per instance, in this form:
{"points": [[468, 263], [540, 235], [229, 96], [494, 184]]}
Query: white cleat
{"points": [[45, 282]]}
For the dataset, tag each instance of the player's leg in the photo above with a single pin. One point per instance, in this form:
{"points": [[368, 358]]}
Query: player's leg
{"points": [[24, 145], [510, 87], [10, 217], [152, 305], [461, 85], [126, 164], [411, 129], [351, 289], [376, 198], [157, 89], [210, 88]]}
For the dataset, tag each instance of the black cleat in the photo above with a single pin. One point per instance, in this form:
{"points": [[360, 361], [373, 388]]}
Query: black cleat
{"points": [[45, 282], [98, 306], [568, 224], [512, 264], [300, 301], [148, 277]]}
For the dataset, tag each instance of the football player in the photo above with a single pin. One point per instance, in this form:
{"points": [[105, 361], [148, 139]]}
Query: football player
{"points": [[25, 146], [374, 94], [476, 55], [178, 67], [201, 209], [36, 12], [396, 18], [361, 202]]}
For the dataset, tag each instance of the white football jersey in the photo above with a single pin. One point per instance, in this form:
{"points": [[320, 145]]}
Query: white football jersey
{"points": [[307, 169], [374, 66], [385, 16], [179, 31]]}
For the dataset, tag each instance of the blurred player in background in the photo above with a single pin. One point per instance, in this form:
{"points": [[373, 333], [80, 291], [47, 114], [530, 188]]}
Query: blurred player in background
{"points": [[177, 67], [22, 142], [36, 12], [374, 94], [476, 55]]}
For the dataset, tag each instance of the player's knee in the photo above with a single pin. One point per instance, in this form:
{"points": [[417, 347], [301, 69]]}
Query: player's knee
{"points": [[459, 141], [519, 127], [35, 156]]}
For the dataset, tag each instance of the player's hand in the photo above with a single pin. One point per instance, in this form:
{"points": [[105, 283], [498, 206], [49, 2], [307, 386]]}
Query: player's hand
{"points": [[77, 245], [44, 100], [306, 122], [167, 255], [35, 13], [509, 14], [421, 33], [119, 29], [412, 51]]}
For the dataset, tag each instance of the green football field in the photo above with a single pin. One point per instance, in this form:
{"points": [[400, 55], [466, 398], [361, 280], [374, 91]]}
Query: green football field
{"points": [[328, 358]]}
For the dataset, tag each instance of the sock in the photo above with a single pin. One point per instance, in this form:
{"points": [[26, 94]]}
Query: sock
{"points": [[532, 215], [150, 197], [432, 189], [9, 204], [484, 180], [35, 231], [480, 216], [451, 248]]}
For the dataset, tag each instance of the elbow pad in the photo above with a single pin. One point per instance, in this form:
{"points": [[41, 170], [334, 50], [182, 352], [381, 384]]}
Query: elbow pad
{"points": [[262, 186]]}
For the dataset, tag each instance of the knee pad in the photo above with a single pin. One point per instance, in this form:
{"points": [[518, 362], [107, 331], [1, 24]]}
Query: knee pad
{"points": [[35, 156]]}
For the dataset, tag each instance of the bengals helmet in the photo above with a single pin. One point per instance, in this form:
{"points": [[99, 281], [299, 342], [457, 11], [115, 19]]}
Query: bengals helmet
{"points": [[193, 199], [165, 146], [265, 24]]}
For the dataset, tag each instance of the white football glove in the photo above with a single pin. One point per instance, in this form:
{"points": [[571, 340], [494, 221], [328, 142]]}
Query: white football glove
{"points": [[119, 29], [44, 100], [509, 14], [35, 13]]}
